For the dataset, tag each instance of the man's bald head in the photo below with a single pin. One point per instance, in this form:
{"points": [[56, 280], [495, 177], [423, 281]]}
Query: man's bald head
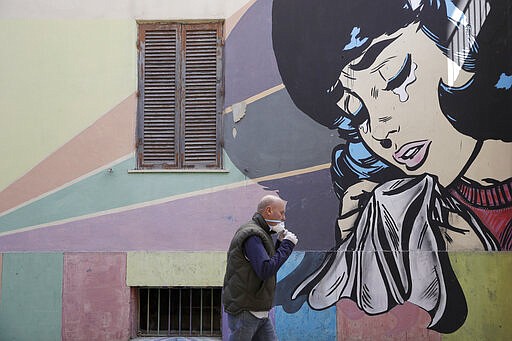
{"points": [[272, 208], [268, 200]]}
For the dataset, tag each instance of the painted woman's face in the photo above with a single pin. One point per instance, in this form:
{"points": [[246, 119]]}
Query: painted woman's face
{"points": [[397, 79]]}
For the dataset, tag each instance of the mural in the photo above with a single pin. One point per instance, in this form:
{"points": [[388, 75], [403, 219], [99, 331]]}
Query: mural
{"points": [[421, 100], [382, 123]]}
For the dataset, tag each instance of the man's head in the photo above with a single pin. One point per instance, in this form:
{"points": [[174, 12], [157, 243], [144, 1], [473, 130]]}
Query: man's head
{"points": [[271, 207]]}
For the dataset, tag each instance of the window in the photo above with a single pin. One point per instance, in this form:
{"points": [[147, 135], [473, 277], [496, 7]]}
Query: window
{"points": [[180, 88], [179, 312]]}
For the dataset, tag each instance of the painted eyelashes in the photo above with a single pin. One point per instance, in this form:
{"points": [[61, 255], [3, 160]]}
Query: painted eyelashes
{"points": [[404, 77]]}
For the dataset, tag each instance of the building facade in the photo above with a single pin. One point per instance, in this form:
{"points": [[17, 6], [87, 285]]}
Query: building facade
{"points": [[138, 136]]}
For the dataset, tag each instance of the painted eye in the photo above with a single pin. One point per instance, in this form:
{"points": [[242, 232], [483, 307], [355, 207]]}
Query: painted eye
{"points": [[404, 77], [401, 91]]}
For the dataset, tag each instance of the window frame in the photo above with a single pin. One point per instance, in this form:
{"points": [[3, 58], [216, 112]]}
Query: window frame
{"points": [[183, 159]]}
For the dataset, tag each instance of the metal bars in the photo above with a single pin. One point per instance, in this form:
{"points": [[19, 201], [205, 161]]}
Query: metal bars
{"points": [[179, 311]]}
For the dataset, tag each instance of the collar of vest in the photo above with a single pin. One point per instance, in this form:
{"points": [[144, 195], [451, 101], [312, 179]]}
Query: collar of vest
{"points": [[260, 221]]}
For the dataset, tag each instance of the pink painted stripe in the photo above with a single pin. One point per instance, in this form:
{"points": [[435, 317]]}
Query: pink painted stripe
{"points": [[403, 322], [95, 298], [79, 156]]}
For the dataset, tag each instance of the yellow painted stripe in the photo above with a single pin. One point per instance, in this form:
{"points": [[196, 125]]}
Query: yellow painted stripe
{"points": [[486, 280], [56, 83], [257, 97], [201, 269]]}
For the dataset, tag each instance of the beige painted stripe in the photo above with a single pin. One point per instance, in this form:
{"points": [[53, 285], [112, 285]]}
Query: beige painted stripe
{"points": [[119, 9], [201, 269], [257, 97], [172, 198], [109, 138], [233, 20]]}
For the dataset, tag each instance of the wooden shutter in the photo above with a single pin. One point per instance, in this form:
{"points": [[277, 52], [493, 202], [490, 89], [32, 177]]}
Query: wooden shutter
{"points": [[179, 95], [201, 89], [158, 131]]}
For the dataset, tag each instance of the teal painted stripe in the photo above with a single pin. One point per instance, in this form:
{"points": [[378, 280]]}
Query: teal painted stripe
{"points": [[108, 190], [31, 306]]}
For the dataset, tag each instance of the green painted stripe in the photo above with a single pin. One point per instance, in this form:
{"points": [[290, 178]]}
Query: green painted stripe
{"points": [[31, 307], [108, 190]]}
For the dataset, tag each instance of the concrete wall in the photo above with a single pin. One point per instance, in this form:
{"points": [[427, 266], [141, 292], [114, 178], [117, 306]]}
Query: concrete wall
{"points": [[78, 227]]}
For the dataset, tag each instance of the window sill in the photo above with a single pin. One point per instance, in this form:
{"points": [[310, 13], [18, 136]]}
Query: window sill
{"points": [[181, 170]]}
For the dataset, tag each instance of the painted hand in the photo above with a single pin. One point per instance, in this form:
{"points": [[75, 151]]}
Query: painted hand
{"points": [[282, 234], [350, 205]]}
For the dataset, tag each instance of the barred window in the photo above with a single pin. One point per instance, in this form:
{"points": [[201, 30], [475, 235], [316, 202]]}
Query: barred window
{"points": [[179, 312], [180, 88]]}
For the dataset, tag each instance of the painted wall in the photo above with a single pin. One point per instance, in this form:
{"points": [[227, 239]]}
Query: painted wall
{"points": [[95, 298], [31, 303], [346, 146]]}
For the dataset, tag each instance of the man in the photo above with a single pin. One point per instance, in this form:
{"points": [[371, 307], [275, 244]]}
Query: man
{"points": [[253, 261]]}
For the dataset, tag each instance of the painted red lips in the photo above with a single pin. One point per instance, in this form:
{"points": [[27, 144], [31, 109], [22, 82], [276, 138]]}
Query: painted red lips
{"points": [[412, 154]]}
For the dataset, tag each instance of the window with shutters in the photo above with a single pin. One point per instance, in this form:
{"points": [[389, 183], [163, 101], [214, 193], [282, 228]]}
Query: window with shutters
{"points": [[180, 89]]}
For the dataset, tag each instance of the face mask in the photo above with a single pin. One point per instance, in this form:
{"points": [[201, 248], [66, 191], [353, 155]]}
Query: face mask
{"points": [[279, 227]]}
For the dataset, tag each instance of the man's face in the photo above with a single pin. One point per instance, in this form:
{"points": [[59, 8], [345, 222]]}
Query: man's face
{"points": [[276, 211]]}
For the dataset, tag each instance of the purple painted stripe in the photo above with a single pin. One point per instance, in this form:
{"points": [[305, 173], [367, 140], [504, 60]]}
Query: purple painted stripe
{"points": [[205, 223], [201, 223]]}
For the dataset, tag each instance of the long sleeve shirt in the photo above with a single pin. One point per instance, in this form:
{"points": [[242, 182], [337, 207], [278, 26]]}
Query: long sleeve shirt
{"points": [[263, 265]]}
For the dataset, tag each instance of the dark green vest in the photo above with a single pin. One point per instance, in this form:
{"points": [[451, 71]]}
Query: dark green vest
{"points": [[243, 289]]}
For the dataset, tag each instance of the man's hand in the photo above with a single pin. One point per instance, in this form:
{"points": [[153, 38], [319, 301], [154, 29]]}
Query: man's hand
{"points": [[350, 205], [291, 237], [280, 235]]}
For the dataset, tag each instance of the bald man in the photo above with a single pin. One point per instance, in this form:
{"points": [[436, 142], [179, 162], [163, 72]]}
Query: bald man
{"points": [[252, 265]]}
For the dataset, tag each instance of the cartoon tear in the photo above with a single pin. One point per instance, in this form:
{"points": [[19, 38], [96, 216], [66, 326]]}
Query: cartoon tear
{"points": [[401, 91]]}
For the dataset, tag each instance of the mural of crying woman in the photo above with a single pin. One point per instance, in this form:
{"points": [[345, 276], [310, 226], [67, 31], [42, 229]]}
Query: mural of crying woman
{"points": [[426, 160]]}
